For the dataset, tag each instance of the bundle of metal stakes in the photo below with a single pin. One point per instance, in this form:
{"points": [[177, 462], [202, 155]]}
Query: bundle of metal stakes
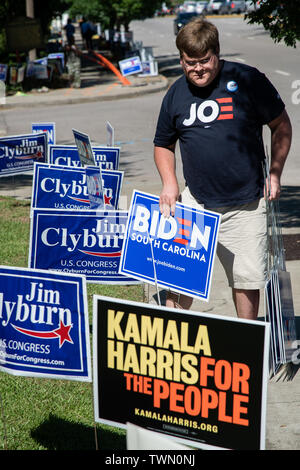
{"points": [[279, 307]]}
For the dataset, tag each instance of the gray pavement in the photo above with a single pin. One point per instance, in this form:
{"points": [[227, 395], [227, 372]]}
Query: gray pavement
{"points": [[112, 88], [283, 399]]}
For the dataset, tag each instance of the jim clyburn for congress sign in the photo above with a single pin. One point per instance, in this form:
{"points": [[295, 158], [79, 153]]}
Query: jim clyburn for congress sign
{"points": [[82, 242], [177, 252], [18, 153], [193, 376], [44, 329], [65, 187], [106, 157]]}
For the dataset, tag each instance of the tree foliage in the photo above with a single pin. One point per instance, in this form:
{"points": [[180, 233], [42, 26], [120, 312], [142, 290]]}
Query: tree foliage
{"points": [[114, 13], [44, 11], [281, 19]]}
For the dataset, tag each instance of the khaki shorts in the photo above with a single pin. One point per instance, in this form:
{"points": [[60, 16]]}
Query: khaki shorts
{"points": [[242, 241]]}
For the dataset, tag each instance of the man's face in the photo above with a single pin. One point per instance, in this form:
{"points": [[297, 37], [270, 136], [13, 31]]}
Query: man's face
{"points": [[200, 71]]}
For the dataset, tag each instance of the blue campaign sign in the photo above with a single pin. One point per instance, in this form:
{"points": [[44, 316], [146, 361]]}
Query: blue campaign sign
{"points": [[107, 157], [48, 127], [95, 187], [65, 187], [84, 148], [130, 66], [89, 243], [44, 324], [3, 72], [18, 153], [176, 252], [58, 55]]}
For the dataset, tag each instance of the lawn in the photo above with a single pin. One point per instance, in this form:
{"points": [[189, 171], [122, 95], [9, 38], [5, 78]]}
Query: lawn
{"points": [[45, 414]]}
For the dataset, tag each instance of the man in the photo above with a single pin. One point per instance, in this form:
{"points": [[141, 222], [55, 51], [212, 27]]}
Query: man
{"points": [[70, 32], [73, 63], [216, 111]]}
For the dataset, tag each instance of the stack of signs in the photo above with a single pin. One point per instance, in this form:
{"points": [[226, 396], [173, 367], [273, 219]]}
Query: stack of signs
{"points": [[44, 325], [192, 376], [280, 314], [72, 230], [278, 293], [176, 253], [65, 187], [106, 157], [18, 153]]}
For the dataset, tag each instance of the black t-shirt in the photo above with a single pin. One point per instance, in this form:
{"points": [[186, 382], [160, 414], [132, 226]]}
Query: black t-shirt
{"points": [[219, 128]]}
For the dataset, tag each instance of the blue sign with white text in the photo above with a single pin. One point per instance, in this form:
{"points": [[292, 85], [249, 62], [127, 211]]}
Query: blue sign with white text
{"points": [[18, 153], [130, 66], [83, 242], [67, 155], [176, 252], [44, 325], [65, 187]]}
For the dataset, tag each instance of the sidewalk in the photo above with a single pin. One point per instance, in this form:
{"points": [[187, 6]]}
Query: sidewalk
{"points": [[283, 404], [112, 88], [105, 85]]}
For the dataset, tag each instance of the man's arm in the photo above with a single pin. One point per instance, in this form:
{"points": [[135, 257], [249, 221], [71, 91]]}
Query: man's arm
{"points": [[165, 162], [281, 137]]}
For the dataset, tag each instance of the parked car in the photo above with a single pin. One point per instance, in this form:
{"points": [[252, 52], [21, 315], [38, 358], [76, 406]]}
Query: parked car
{"points": [[219, 7], [251, 5], [189, 7], [238, 6], [182, 19], [201, 8]]}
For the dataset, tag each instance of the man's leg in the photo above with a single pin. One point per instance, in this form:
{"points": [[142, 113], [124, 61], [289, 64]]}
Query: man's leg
{"points": [[246, 303]]}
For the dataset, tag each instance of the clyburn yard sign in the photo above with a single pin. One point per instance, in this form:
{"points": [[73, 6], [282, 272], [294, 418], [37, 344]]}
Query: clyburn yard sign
{"points": [[195, 377]]}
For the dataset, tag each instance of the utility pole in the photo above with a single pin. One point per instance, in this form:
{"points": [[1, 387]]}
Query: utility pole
{"points": [[30, 14]]}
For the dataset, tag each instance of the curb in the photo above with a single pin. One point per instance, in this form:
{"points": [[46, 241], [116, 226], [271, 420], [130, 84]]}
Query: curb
{"points": [[103, 94]]}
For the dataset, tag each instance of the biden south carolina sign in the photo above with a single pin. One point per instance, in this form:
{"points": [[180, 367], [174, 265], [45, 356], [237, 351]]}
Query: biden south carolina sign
{"points": [[176, 252]]}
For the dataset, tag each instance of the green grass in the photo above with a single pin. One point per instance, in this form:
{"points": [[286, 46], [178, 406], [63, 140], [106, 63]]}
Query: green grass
{"points": [[49, 414]]}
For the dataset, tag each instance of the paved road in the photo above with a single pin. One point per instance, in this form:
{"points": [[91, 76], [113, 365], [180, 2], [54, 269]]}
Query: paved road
{"points": [[134, 119]]}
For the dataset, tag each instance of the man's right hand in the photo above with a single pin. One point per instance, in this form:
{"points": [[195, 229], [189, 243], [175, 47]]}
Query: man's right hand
{"points": [[167, 200]]}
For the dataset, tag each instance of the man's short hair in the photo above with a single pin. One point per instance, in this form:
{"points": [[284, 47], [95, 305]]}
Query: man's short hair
{"points": [[197, 37]]}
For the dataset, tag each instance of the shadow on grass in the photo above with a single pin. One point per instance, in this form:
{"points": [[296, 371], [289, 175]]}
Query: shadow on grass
{"points": [[58, 434]]}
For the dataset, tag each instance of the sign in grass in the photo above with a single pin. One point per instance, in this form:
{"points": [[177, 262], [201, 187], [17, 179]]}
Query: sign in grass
{"points": [[44, 327], [196, 377]]}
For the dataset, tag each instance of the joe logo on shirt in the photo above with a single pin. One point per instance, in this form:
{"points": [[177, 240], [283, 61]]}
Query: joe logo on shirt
{"points": [[210, 110]]}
